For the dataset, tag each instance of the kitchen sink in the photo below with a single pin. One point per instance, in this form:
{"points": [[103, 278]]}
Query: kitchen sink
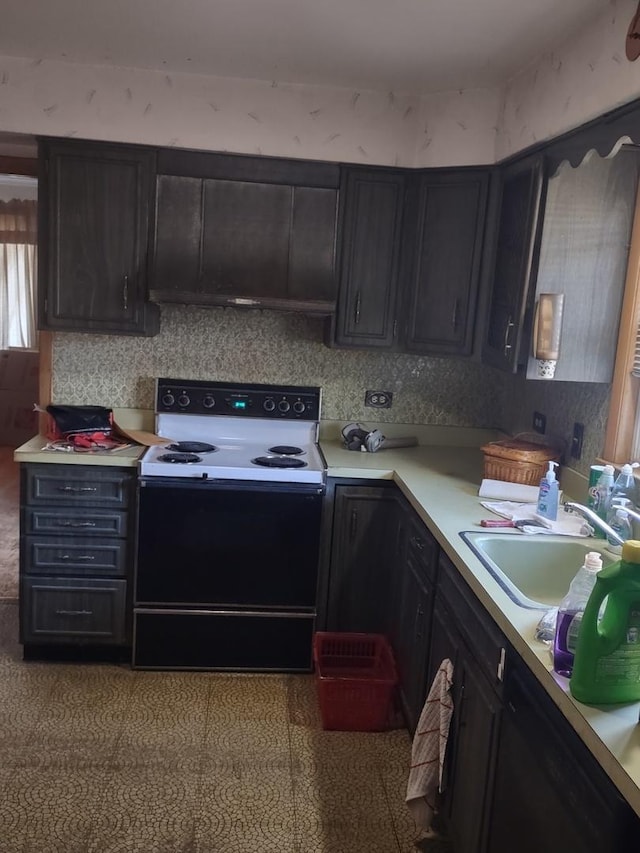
{"points": [[535, 571]]}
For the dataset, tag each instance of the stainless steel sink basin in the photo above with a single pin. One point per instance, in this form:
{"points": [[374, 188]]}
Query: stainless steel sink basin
{"points": [[535, 571]]}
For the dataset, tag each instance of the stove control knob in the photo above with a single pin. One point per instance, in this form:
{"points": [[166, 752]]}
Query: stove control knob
{"points": [[284, 406], [269, 405], [299, 407], [208, 401], [168, 399], [183, 401]]}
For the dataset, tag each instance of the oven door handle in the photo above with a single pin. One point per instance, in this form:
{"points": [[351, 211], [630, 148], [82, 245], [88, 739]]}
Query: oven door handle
{"points": [[231, 485]]}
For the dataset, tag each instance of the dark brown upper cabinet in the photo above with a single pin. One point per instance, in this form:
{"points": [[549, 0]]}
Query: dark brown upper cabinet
{"points": [[410, 259], [371, 213], [244, 231], [513, 265], [93, 238], [448, 211]]}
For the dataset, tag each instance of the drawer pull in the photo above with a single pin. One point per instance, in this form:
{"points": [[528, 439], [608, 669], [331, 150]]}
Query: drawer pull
{"points": [[76, 524], [418, 543], [86, 558], [77, 489], [74, 612]]}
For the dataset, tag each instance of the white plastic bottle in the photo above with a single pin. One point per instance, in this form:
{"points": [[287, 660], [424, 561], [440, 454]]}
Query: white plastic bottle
{"points": [[619, 521], [625, 484], [570, 613], [548, 494], [602, 494]]}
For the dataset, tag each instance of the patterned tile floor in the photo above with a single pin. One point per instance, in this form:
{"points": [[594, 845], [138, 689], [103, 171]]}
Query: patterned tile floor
{"points": [[103, 759]]}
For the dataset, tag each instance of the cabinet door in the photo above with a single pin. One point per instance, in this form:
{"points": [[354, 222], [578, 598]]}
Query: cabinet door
{"points": [[473, 740], [93, 238], [443, 280], [370, 232], [412, 654], [365, 521], [549, 791], [514, 263], [586, 231]]}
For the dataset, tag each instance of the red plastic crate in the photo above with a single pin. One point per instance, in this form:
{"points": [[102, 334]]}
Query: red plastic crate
{"points": [[356, 678]]}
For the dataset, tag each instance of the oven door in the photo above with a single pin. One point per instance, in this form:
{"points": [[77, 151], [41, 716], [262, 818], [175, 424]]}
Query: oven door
{"points": [[233, 545]]}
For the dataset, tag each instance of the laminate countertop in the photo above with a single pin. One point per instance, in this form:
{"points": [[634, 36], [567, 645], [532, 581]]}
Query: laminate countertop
{"points": [[441, 483]]}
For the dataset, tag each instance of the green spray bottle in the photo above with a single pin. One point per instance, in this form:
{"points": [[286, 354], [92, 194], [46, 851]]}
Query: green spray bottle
{"points": [[606, 667]]}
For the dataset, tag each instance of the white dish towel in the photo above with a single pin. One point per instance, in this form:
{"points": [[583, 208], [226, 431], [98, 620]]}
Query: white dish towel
{"points": [[429, 744]]}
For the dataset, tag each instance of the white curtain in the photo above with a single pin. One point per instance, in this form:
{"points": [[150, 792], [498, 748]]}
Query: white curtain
{"points": [[18, 232]]}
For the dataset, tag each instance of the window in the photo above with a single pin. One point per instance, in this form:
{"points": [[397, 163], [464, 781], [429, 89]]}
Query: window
{"points": [[18, 273]]}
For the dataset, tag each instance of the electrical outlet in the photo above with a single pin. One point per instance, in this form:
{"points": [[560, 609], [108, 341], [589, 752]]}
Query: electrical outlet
{"points": [[378, 399], [539, 422], [576, 440]]}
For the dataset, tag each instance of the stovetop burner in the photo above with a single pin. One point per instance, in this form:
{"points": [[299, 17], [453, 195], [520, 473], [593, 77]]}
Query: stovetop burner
{"points": [[192, 447], [279, 462], [286, 450], [179, 458]]}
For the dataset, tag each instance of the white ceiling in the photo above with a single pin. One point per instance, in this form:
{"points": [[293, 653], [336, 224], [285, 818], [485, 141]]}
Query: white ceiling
{"points": [[414, 46]]}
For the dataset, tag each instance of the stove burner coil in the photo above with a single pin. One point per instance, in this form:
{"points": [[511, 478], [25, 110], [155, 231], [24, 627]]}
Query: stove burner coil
{"points": [[286, 450], [279, 462], [179, 458], [191, 447]]}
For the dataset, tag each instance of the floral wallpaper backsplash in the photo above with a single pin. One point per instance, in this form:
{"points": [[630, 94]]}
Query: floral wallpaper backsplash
{"points": [[228, 344]]}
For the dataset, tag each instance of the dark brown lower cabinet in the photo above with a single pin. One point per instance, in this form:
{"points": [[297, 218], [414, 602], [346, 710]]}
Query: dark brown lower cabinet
{"points": [[362, 552], [549, 792], [77, 543], [516, 775], [476, 649], [414, 576]]}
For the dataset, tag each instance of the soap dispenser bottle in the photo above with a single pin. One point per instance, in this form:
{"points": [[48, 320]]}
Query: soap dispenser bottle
{"points": [[548, 494]]}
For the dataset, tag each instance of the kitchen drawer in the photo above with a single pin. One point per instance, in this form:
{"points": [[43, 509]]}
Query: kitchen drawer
{"points": [[73, 610], [480, 633], [74, 521], [78, 485], [67, 555]]}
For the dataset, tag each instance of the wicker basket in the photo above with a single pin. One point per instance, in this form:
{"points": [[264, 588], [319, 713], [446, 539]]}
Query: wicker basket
{"points": [[515, 460]]}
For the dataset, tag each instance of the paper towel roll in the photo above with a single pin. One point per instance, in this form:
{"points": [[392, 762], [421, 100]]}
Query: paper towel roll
{"points": [[501, 490]]}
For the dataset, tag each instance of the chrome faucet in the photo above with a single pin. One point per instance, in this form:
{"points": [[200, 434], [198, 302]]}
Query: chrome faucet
{"points": [[595, 519]]}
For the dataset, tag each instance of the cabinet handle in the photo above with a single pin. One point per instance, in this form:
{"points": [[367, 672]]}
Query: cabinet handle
{"points": [[125, 293], [461, 702], [417, 628], [454, 316], [74, 612], [85, 558], [500, 667], [77, 489], [507, 334], [75, 524], [356, 312], [418, 543], [354, 523]]}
